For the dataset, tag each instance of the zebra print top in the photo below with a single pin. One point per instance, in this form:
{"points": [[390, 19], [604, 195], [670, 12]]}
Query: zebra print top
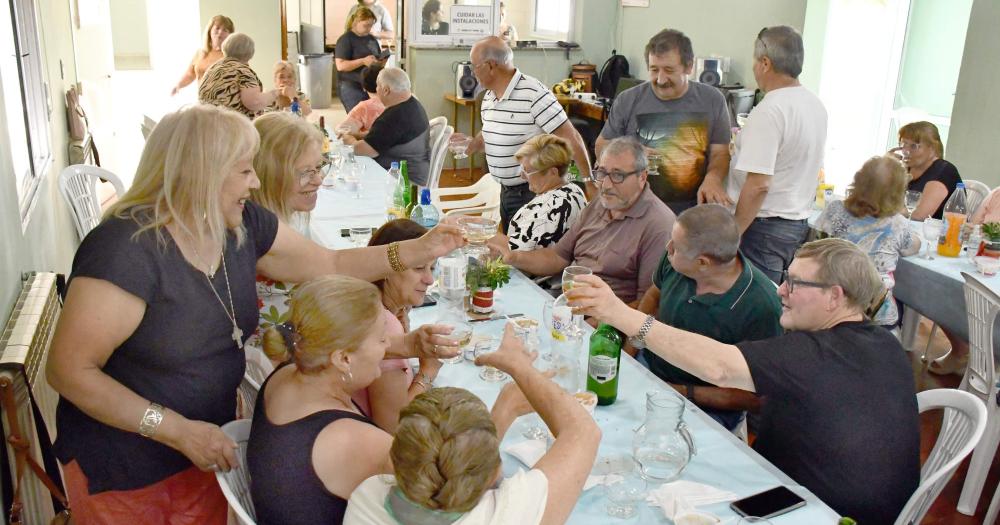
{"points": [[545, 219], [222, 83]]}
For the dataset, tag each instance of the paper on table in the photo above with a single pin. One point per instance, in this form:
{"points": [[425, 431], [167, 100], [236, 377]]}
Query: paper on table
{"points": [[678, 500], [532, 450]]}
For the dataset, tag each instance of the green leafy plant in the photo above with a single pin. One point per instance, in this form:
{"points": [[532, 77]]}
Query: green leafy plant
{"points": [[493, 274], [991, 230]]}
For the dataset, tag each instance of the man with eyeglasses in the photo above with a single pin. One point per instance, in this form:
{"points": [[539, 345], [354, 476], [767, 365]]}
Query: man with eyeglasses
{"points": [[401, 132], [686, 124], [515, 108], [620, 236], [839, 411], [779, 154]]}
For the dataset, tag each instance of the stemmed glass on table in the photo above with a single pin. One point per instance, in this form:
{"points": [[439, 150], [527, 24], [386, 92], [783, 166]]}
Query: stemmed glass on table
{"points": [[912, 198], [459, 145], [932, 231]]}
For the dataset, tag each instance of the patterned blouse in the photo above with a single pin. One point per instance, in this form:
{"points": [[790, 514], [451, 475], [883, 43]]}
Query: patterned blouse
{"points": [[883, 239], [222, 84], [545, 219]]}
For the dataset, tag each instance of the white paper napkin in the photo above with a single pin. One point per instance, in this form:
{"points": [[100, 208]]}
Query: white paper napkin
{"points": [[532, 450], [678, 500]]}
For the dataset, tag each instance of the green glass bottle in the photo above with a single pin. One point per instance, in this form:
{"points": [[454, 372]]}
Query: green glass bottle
{"points": [[405, 189], [602, 365], [574, 172]]}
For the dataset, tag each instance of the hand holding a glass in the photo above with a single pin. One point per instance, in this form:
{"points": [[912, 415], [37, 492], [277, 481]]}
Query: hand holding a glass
{"points": [[432, 341], [593, 297], [510, 356]]}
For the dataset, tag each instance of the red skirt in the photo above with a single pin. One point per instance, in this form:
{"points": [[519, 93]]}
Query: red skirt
{"points": [[186, 498]]}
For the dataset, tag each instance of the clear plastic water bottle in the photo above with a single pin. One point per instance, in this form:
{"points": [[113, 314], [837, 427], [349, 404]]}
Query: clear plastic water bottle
{"points": [[390, 187], [425, 214]]}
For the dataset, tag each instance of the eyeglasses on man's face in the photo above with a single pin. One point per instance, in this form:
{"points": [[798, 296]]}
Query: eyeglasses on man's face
{"points": [[792, 282], [307, 175], [616, 176]]}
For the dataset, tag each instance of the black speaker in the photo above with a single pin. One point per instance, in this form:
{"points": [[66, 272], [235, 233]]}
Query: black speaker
{"points": [[710, 70], [465, 81]]}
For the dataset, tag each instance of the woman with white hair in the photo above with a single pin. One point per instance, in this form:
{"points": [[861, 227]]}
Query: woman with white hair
{"points": [[231, 83], [284, 77], [147, 354]]}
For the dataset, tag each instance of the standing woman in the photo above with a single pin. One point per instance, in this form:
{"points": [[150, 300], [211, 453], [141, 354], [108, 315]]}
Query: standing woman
{"points": [[382, 29], [147, 354], [215, 34], [930, 174], [355, 49]]}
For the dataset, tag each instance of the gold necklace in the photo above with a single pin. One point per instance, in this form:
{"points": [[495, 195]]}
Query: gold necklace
{"points": [[237, 332]]}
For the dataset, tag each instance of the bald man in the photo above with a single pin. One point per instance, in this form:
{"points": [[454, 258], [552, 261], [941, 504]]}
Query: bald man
{"points": [[516, 107]]}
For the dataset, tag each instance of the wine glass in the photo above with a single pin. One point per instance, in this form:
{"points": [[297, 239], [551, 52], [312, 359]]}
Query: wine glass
{"points": [[623, 485], [461, 333], [932, 230], [488, 373], [352, 179], [458, 146], [477, 230], [912, 198], [570, 274], [360, 236]]}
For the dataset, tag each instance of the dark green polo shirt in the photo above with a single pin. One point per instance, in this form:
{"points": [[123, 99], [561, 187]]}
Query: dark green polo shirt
{"points": [[749, 311]]}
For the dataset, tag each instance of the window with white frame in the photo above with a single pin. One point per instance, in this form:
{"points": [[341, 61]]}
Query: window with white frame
{"points": [[553, 18], [25, 100]]}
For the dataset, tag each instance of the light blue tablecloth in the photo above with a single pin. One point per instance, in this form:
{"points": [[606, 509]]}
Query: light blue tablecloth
{"points": [[337, 208], [722, 461]]}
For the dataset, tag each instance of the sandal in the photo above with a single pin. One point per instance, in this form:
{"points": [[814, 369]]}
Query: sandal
{"points": [[948, 365]]}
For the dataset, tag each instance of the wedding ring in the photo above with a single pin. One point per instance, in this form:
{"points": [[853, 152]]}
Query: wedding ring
{"points": [[214, 467]]}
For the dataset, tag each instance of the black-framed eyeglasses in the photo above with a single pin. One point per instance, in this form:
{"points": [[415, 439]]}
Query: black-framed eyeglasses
{"points": [[598, 174], [792, 282], [307, 175]]}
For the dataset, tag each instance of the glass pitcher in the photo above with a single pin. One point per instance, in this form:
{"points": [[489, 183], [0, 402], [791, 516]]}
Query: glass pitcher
{"points": [[662, 446]]}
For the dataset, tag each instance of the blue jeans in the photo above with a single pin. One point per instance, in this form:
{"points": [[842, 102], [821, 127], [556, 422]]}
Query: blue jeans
{"points": [[770, 243], [350, 94]]}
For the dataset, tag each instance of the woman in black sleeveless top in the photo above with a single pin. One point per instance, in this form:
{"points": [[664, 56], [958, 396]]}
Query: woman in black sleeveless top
{"points": [[310, 446], [921, 150]]}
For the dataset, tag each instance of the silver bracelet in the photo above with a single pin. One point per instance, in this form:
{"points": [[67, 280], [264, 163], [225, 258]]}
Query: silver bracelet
{"points": [[151, 420]]}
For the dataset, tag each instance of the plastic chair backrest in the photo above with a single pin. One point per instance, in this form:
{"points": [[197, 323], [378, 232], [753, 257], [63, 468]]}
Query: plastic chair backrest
{"points": [[981, 306], [235, 484], [247, 394], [975, 194], [963, 425], [485, 198], [78, 186], [439, 135]]}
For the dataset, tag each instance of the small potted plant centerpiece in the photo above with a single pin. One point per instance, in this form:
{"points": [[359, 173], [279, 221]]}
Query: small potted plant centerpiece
{"points": [[483, 279], [991, 240]]}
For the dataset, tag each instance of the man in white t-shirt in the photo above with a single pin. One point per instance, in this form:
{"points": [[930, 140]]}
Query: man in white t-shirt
{"points": [[779, 154], [515, 108]]}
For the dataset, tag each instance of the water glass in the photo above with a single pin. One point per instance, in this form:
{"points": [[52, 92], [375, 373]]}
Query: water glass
{"points": [[353, 186], [570, 274], [361, 235], [912, 198], [462, 334], [932, 231], [623, 485], [488, 373]]}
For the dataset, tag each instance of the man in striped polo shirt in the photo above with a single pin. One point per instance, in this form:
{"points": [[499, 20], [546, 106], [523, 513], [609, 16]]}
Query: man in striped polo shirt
{"points": [[515, 108]]}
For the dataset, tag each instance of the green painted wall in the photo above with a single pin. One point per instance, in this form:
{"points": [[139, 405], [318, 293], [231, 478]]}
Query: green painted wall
{"points": [[814, 41], [261, 19], [935, 37]]}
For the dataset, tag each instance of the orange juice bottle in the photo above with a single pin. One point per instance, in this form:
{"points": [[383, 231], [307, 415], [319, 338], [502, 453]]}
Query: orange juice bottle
{"points": [[950, 243]]}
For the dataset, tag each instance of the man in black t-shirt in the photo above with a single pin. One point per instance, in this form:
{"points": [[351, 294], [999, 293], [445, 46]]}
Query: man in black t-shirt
{"points": [[840, 411], [401, 131]]}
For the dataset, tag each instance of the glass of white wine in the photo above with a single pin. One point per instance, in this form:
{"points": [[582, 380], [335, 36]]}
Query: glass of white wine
{"points": [[477, 230], [912, 199], [461, 334], [570, 274], [488, 373], [932, 230]]}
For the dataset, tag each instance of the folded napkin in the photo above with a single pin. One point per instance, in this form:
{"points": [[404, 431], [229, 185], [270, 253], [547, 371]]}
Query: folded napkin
{"points": [[678, 500], [532, 450]]}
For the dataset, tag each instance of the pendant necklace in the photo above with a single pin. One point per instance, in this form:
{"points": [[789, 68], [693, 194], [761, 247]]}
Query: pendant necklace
{"points": [[237, 333]]}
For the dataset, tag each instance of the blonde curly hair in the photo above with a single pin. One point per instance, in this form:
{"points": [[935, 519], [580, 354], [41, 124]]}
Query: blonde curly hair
{"points": [[446, 452], [544, 152]]}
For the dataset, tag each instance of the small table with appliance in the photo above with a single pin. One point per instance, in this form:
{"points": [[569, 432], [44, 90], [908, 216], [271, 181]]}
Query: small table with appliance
{"points": [[473, 105]]}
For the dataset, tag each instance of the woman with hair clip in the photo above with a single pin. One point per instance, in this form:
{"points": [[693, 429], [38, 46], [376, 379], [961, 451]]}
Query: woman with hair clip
{"points": [[147, 354], [218, 28]]}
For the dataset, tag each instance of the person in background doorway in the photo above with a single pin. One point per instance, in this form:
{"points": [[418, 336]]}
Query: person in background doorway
{"points": [[382, 28], [284, 76], [507, 30], [355, 50], [218, 28], [433, 19], [921, 150], [359, 121]]}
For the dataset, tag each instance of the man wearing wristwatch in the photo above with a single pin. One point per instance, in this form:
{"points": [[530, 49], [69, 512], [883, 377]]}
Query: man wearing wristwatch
{"points": [[704, 285]]}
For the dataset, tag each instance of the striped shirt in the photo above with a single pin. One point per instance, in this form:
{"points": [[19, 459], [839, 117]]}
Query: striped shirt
{"points": [[527, 108]]}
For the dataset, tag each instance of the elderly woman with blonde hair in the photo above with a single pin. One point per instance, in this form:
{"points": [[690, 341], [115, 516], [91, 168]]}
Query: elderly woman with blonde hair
{"points": [[147, 353], [557, 204], [218, 28], [446, 455], [231, 83], [284, 76], [870, 218]]}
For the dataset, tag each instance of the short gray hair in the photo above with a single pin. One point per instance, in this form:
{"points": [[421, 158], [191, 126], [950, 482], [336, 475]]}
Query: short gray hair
{"points": [[498, 52], [238, 46], [842, 263], [783, 45], [711, 231], [395, 79], [627, 144]]}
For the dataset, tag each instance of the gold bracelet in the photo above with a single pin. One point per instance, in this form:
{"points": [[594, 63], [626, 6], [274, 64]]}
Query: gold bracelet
{"points": [[394, 262]]}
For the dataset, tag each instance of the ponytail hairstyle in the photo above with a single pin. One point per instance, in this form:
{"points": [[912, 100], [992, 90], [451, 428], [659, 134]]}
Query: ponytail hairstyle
{"points": [[329, 314]]}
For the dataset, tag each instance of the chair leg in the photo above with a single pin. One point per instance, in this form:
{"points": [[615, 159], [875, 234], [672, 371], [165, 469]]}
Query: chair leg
{"points": [[982, 458], [911, 319], [991, 515], [930, 339]]}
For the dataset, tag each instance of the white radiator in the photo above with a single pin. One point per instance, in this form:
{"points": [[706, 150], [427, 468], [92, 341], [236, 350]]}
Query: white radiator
{"points": [[24, 348]]}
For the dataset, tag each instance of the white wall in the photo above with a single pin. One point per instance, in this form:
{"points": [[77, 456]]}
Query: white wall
{"points": [[129, 32]]}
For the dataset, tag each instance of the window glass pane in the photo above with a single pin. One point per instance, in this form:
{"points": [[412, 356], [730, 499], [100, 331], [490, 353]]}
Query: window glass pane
{"points": [[13, 104], [552, 16]]}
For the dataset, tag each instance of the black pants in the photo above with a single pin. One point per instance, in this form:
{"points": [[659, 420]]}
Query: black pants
{"points": [[512, 198]]}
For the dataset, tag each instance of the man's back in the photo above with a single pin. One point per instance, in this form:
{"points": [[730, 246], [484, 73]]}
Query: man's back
{"points": [[401, 133]]}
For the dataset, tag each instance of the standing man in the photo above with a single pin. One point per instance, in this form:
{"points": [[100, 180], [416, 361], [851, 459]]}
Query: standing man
{"points": [[515, 108], [778, 155], [685, 123]]}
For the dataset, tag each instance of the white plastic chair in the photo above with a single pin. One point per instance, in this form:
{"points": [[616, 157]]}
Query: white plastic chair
{"points": [[78, 186], [235, 484], [485, 199], [247, 394], [439, 150], [962, 427], [975, 194], [980, 380]]}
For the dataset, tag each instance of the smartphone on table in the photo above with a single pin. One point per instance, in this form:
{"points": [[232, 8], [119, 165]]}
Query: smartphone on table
{"points": [[768, 504]]}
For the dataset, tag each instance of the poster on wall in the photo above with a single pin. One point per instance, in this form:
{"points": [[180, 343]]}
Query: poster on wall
{"points": [[471, 20], [451, 22], [635, 3]]}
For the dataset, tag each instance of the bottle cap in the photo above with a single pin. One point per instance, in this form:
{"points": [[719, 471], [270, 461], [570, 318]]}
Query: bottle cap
{"points": [[425, 196], [960, 185], [394, 165]]}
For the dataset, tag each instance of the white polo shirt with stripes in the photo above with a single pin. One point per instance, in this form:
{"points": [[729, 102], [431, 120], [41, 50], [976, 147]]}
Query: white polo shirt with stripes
{"points": [[527, 108]]}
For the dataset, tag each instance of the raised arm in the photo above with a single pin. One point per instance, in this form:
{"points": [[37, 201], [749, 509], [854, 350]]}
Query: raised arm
{"points": [[255, 99], [189, 74], [569, 133], [540, 261]]}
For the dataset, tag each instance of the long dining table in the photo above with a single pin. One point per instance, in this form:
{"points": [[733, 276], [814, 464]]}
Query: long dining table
{"points": [[721, 460]]}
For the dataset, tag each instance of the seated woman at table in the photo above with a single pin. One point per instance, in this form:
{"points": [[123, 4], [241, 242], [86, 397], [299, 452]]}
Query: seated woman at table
{"points": [[544, 161], [165, 283], [447, 460], [921, 150], [359, 121], [231, 83], [284, 76], [397, 385], [869, 217]]}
